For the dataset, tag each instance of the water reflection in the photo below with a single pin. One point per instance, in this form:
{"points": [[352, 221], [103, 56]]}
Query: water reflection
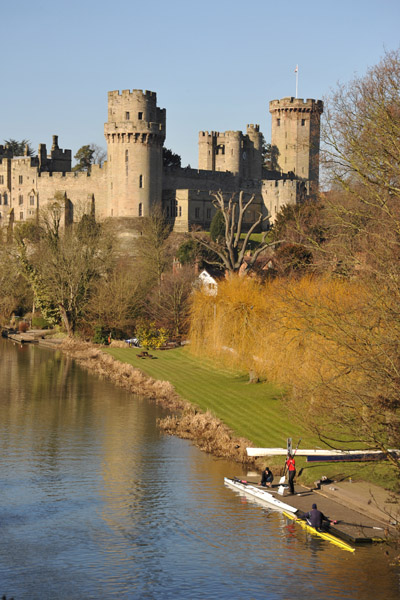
{"points": [[96, 503]]}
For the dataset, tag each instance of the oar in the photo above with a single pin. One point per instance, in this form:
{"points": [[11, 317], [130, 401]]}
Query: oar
{"points": [[283, 478]]}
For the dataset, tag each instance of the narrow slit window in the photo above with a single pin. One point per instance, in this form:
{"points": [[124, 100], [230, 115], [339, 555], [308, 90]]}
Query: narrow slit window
{"points": [[140, 181], [140, 209], [127, 116]]}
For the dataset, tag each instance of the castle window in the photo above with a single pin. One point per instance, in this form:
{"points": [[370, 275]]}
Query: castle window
{"points": [[5, 199], [20, 199], [32, 200], [197, 213], [1, 179], [127, 116], [140, 209], [180, 211], [140, 116], [140, 181], [20, 179], [21, 216], [278, 122], [126, 155], [0, 199], [303, 122]]}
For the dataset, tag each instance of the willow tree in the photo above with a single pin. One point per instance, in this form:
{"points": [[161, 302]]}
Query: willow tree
{"points": [[359, 388]]}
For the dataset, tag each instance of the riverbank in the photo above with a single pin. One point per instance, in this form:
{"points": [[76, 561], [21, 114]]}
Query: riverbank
{"points": [[195, 381], [205, 430], [217, 409]]}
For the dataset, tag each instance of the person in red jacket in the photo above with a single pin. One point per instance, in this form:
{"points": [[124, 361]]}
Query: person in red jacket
{"points": [[291, 467]]}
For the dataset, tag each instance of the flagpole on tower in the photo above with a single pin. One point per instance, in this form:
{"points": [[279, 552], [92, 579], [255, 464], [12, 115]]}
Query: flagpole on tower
{"points": [[297, 79]]}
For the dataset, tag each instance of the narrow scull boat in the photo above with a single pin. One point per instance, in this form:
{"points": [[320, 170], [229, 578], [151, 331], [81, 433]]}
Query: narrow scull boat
{"points": [[259, 494], [323, 534]]}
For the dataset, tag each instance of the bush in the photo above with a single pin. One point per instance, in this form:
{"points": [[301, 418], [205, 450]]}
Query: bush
{"points": [[40, 323], [150, 337], [100, 335]]}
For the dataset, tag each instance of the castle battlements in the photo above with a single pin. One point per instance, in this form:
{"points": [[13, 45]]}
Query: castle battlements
{"points": [[137, 94], [297, 104]]}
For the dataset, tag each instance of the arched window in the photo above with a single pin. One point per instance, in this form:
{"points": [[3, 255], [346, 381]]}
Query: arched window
{"points": [[140, 209]]}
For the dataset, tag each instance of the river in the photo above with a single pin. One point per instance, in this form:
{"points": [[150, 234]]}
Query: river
{"points": [[97, 503]]}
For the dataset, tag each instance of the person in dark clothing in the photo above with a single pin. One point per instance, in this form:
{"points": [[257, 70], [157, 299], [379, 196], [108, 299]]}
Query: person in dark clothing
{"points": [[315, 518], [266, 477], [291, 467]]}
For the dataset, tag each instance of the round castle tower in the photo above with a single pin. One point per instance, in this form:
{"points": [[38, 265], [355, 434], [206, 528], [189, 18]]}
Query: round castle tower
{"points": [[135, 134], [296, 134]]}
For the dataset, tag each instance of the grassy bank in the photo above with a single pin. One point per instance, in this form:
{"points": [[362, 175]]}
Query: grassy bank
{"points": [[253, 411]]}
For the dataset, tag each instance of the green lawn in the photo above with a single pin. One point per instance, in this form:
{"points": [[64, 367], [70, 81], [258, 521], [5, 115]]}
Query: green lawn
{"points": [[254, 411]]}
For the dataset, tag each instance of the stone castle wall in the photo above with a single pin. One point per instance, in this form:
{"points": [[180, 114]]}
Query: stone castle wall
{"points": [[132, 181]]}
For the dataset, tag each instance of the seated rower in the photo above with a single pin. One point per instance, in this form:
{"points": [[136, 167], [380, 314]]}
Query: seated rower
{"points": [[266, 478], [315, 518]]}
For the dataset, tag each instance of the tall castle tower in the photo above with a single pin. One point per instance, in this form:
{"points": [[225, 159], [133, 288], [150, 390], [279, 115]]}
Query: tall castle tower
{"points": [[135, 134], [296, 134]]}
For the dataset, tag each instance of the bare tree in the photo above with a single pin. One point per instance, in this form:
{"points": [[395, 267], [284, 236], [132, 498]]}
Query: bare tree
{"points": [[62, 265], [232, 249], [170, 307]]}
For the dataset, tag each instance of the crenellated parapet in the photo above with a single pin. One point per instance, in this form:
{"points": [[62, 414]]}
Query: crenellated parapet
{"points": [[133, 116], [292, 104]]}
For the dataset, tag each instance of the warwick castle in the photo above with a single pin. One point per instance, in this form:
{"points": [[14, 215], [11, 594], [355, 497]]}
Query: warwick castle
{"points": [[133, 180]]}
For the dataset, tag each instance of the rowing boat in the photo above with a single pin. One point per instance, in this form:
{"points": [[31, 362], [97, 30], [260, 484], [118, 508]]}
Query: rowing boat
{"points": [[323, 534], [258, 494]]}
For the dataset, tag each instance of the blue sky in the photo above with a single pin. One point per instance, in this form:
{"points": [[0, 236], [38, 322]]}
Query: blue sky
{"points": [[214, 64]]}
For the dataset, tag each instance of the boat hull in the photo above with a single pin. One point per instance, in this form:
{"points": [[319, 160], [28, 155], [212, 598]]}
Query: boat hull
{"points": [[259, 494], [323, 534]]}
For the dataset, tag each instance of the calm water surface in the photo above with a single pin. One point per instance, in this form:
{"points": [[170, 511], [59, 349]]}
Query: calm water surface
{"points": [[96, 503]]}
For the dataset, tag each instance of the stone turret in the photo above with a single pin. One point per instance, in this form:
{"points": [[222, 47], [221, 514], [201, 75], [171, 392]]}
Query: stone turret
{"points": [[296, 134], [253, 149], [135, 134], [232, 151]]}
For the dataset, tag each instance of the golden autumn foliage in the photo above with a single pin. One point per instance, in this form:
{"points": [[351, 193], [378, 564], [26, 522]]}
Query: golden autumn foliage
{"points": [[325, 340]]}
